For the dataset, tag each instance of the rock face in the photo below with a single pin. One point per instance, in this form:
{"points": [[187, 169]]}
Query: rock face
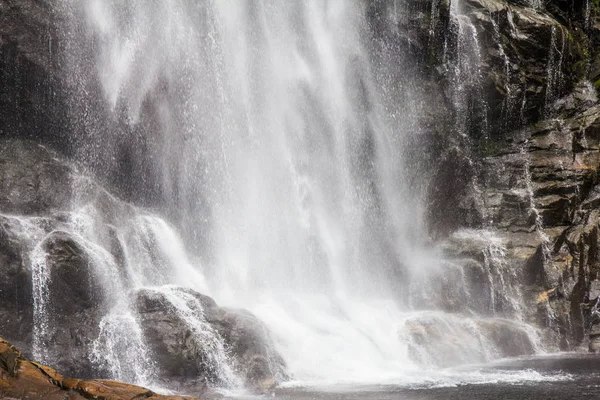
{"points": [[519, 156], [32, 181], [531, 175], [23, 379], [32, 96]]}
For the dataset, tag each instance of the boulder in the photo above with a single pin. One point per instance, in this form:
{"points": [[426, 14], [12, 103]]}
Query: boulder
{"points": [[73, 305], [74, 285], [200, 339]]}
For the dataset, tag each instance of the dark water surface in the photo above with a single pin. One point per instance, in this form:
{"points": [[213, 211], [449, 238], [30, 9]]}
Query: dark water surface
{"points": [[564, 377]]}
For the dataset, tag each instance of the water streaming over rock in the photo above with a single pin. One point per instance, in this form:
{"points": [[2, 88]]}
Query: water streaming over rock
{"points": [[268, 142], [466, 75], [554, 67]]}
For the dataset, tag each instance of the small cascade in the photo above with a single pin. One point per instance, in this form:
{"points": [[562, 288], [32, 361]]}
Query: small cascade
{"points": [[538, 227], [501, 279], [32, 231], [434, 18], [537, 4], [41, 312], [154, 255], [510, 98], [554, 74], [538, 219], [121, 350], [493, 287], [471, 110], [587, 13], [214, 357], [522, 118]]}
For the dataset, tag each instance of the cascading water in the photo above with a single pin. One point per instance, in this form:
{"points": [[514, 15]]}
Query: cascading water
{"points": [[554, 67], [466, 75], [283, 165]]}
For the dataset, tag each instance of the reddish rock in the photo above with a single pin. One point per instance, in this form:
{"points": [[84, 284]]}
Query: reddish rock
{"points": [[23, 379]]}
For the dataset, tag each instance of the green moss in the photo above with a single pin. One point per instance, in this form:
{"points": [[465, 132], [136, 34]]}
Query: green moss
{"points": [[597, 84], [580, 68], [488, 147], [570, 37]]}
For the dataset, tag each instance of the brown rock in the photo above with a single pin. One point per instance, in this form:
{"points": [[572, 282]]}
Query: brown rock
{"points": [[23, 379]]}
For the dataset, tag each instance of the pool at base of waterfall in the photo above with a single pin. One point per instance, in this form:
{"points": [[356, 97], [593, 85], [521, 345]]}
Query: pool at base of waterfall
{"points": [[559, 377]]}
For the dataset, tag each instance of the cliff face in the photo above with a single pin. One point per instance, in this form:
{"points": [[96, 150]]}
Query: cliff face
{"points": [[520, 157]]}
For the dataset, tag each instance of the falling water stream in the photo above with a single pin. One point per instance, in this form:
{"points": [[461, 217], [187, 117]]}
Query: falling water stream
{"points": [[282, 165]]}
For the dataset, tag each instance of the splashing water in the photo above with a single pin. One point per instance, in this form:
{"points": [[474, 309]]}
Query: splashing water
{"points": [[41, 314], [121, 349], [215, 356]]}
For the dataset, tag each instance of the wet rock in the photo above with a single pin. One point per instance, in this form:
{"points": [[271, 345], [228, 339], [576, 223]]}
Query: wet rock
{"points": [[186, 349], [32, 180], [594, 345], [32, 98], [440, 339], [16, 297], [248, 340], [569, 274], [594, 291], [178, 352], [74, 303], [73, 283], [508, 338]]}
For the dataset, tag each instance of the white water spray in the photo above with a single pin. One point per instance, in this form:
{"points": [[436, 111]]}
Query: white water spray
{"points": [[281, 159]]}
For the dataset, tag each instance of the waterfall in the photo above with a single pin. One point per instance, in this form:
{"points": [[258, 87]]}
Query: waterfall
{"points": [[279, 172]]}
